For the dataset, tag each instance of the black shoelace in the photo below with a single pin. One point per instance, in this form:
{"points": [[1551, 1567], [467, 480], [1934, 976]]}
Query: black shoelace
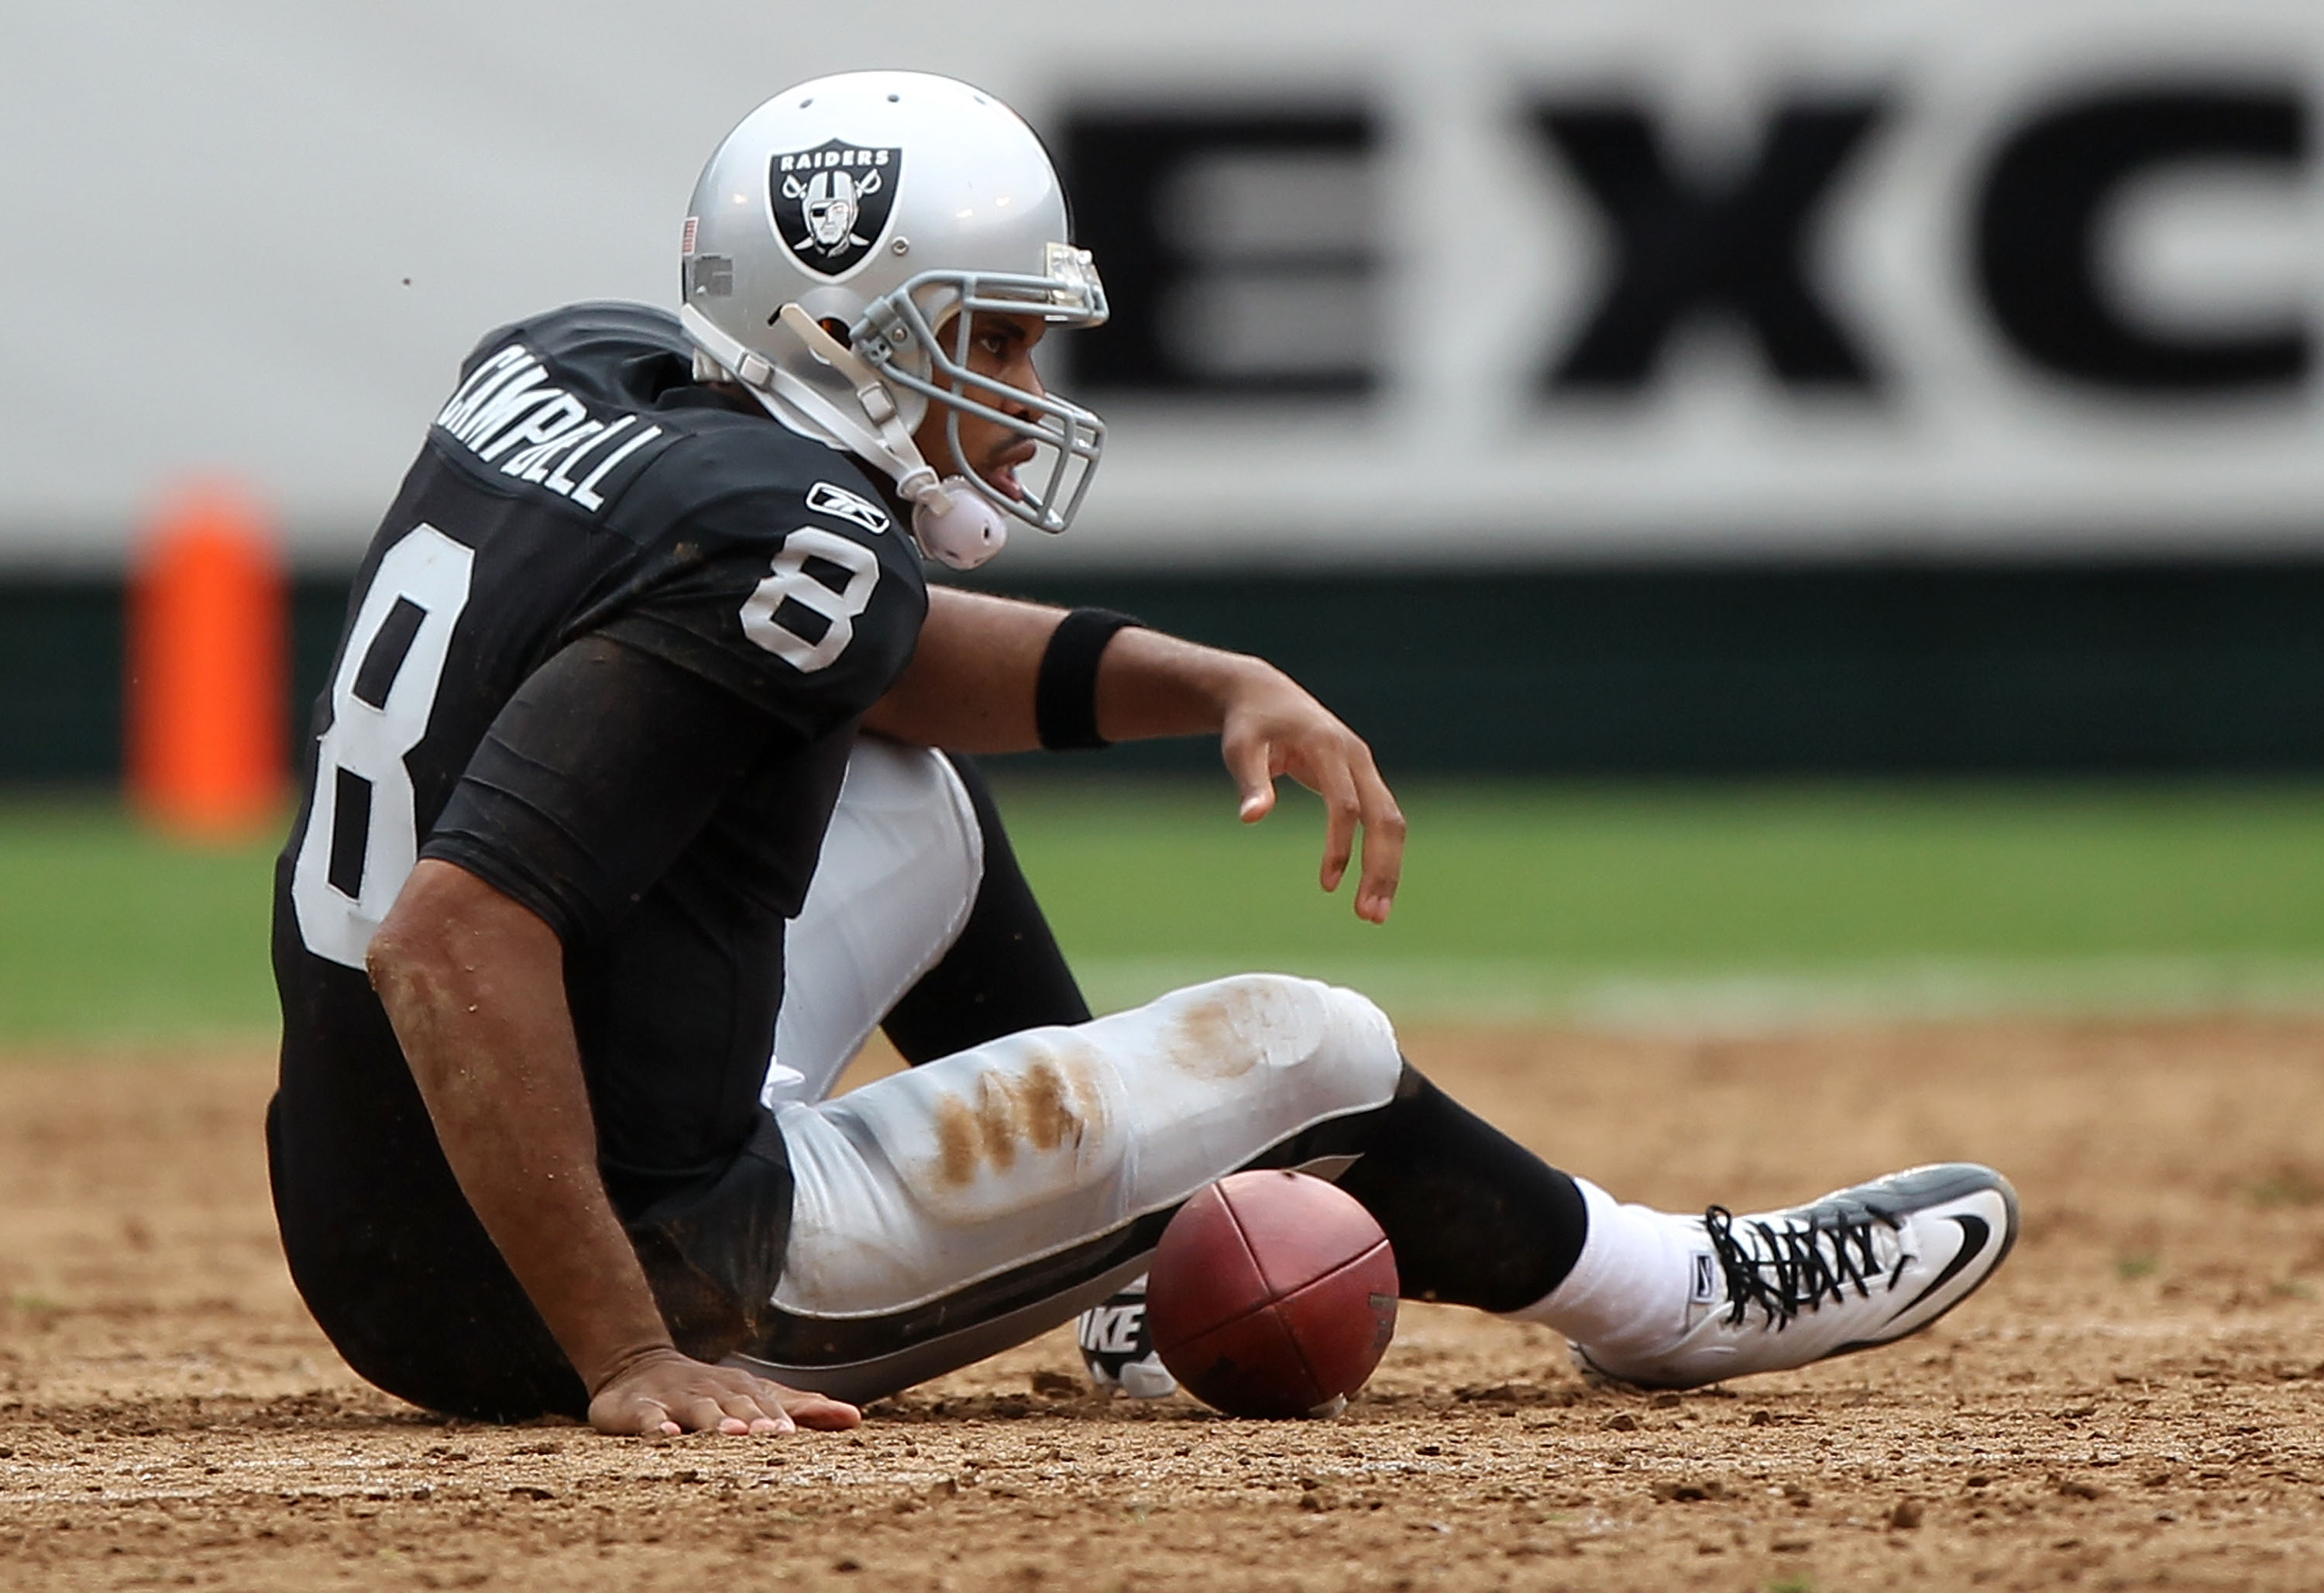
{"points": [[1796, 1267]]}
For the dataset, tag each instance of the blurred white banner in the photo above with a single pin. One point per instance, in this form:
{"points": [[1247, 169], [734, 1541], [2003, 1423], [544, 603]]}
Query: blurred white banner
{"points": [[1605, 279]]}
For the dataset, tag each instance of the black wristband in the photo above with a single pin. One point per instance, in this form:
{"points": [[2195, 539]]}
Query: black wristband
{"points": [[1065, 693]]}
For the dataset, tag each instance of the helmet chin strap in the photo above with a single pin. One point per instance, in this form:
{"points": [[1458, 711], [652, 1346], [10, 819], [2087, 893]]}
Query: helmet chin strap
{"points": [[817, 384]]}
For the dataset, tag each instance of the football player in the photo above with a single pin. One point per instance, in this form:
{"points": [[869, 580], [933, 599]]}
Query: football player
{"points": [[624, 785]]}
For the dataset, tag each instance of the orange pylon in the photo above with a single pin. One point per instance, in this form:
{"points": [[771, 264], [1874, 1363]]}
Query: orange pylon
{"points": [[206, 688]]}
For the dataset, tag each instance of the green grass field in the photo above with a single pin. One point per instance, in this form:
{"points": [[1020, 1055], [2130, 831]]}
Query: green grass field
{"points": [[1641, 902], [1603, 904]]}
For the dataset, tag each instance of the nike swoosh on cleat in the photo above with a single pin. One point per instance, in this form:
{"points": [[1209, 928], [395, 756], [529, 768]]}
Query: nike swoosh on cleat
{"points": [[1975, 1236]]}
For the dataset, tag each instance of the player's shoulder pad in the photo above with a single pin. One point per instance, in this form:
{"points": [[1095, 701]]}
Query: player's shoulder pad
{"points": [[759, 481], [603, 334]]}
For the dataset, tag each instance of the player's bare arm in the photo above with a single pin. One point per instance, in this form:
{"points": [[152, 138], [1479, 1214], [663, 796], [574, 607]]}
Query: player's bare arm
{"points": [[474, 986], [971, 688]]}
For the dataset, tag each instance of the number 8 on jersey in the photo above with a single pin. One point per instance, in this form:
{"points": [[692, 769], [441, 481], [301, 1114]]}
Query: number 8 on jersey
{"points": [[772, 613], [362, 837]]}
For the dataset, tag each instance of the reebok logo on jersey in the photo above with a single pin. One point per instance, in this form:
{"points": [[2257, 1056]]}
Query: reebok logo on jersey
{"points": [[823, 498], [508, 413]]}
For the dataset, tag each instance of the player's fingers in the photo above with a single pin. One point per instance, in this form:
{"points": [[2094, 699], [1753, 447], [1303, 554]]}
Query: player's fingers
{"points": [[753, 1409], [1252, 763], [1383, 834], [633, 1418], [790, 1409], [821, 1412], [701, 1413], [1341, 813]]}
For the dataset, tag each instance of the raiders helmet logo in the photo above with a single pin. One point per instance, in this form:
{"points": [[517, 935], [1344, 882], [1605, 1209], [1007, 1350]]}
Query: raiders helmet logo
{"points": [[832, 203]]}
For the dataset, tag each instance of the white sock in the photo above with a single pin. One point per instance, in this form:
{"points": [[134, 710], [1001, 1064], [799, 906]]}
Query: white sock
{"points": [[1632, 1283]]}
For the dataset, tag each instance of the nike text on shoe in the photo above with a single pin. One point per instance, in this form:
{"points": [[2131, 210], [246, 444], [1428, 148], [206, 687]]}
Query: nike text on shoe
{"points": [[1861, 1267], [1117, 1348]]}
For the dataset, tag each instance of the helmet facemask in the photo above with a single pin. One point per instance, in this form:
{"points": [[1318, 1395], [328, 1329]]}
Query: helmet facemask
{"points": [[918, 337]]}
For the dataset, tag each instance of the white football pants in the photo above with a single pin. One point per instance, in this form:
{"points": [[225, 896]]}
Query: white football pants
{"points": [[892, 890], [948, 1212]]}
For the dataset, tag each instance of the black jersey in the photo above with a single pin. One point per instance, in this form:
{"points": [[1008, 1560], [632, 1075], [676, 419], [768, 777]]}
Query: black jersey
{"points": [[607, 652]]}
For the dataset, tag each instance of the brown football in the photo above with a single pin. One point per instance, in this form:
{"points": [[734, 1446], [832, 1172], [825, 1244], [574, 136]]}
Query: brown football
{"points": [[1272, 1294]]}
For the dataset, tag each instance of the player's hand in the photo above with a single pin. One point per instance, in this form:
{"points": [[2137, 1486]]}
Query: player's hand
{"points": [[1273, 727], [664, 1393]]}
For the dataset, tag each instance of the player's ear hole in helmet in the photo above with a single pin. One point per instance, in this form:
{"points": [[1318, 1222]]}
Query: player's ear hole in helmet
{"points": [[952, 211]]}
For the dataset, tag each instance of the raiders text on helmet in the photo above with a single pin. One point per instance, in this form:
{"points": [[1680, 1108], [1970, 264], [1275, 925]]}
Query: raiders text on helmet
{"points": [[831, 205], [898, 205]]}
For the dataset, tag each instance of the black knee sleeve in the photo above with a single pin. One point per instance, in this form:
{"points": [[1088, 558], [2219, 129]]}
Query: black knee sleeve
{"points": [[1475, 1217]]}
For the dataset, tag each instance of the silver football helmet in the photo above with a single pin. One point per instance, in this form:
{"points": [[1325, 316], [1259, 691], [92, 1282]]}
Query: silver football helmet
{"points": [[898, 205]]}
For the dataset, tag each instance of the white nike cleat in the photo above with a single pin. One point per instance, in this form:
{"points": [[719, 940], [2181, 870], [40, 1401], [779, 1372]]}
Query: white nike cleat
{"points": [[1117, 1348], [1860, 1267]]}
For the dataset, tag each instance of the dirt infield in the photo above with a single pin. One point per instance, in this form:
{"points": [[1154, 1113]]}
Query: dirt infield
{"points": [[2138, 1401]]}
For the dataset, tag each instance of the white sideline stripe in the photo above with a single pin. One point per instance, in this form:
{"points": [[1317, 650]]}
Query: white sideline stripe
{"points": [[1746, 1000]]}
